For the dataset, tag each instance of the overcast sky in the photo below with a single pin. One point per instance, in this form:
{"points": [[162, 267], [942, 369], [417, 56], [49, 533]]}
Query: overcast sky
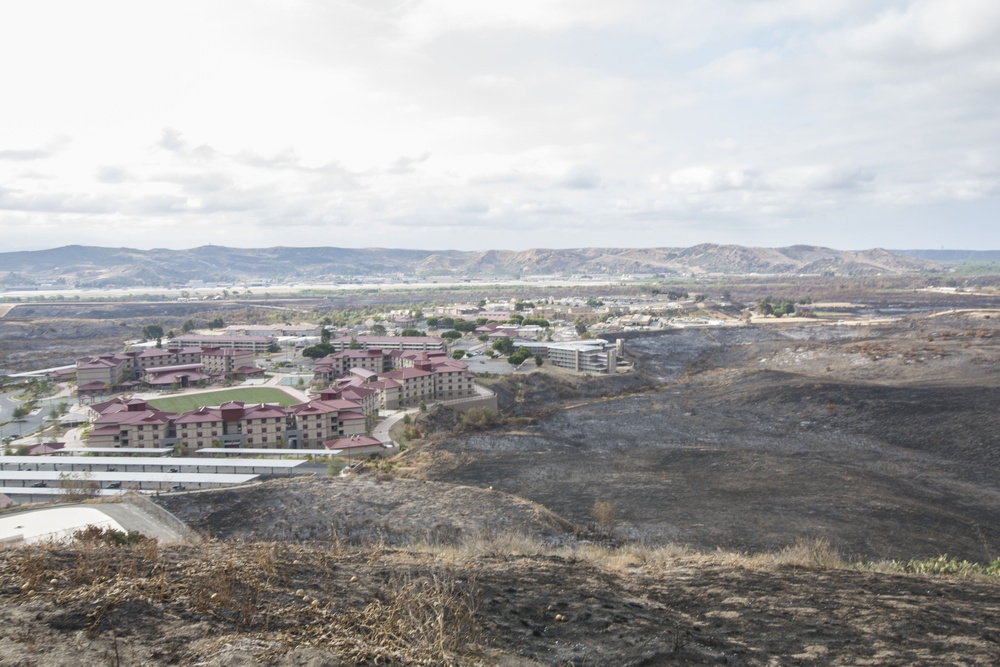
{"points": [[516, 124]]}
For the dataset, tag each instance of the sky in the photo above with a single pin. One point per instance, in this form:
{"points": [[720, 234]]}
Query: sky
{"points": [[460, 124]]}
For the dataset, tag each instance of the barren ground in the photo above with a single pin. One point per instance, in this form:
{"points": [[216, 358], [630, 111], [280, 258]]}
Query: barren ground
{"points": [[883, 441], [744, 470]]}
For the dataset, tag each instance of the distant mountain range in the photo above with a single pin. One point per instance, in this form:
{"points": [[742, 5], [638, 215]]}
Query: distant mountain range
{"points": [[95, 266], [953, 256]]}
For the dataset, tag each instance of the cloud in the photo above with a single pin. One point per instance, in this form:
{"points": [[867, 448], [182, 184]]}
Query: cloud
{"points": [[698, 121], [112, 174], [581, 178], [407, 165], [24, 154]]}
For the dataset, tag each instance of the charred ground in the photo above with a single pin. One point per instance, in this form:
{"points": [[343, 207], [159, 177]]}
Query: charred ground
{"points": [[882, 440]]}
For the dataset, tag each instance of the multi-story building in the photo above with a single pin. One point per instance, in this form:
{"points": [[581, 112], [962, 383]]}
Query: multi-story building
{"points": [[105, 373], [274, 330], [585, 356], [134, 423], [418, 343], [225, 361], [339, 363], [255, 344]]}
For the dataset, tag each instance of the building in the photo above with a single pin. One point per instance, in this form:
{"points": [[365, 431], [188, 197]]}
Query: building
{"points": [[407, 343], [107, 373], [254, 344], [585, 356], [134, 423], [273, 330], [339, 363]]}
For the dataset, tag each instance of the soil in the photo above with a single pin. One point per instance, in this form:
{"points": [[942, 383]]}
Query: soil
{"points": [[882, 440], [223, 604]]}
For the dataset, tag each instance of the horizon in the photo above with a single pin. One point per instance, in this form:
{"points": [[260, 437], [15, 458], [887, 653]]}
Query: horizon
{"points": [[442, 124], [475, 250]]}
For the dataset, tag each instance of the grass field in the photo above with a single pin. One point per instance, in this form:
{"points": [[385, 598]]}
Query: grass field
{"points": [[212, 398]]}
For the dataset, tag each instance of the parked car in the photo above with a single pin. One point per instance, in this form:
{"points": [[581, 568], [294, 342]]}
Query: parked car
{"points": [[177, 487], [115, 485], [39, 485]]}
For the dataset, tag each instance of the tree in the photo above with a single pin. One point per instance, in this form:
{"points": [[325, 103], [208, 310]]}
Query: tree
{"points": [[538, 360], [451, 335], [318, 351], [217, 323], [273, 348], [463, 325], [458, 354], [504, 345], [324, 335], [188, 326], [581, 326], [378, 330], [432, 322], [412, 333], [151, 331], [354, 344], [519, 356], [483, 337]]}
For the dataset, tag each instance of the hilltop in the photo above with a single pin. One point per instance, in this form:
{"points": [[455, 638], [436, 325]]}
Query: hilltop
{"points": [[96, 266], [277, 590]]}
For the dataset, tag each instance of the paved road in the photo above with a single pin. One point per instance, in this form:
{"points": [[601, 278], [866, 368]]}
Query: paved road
{"points": [[29, 424]]}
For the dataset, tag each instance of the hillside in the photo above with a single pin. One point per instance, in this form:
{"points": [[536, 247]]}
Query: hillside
{"points": [[94, 266], [494, 597]]}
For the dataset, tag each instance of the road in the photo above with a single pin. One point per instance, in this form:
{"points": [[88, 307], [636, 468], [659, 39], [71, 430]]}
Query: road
{"points": [[27, 425]]}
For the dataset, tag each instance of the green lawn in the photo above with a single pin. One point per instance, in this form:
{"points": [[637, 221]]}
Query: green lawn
{"points": [[213, 398]]}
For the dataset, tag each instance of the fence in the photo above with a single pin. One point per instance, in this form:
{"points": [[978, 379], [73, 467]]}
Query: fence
{"points": [[162, 515]]}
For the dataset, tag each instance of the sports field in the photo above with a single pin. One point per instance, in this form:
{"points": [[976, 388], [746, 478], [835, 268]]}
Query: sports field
{"points": [[212, 398]]}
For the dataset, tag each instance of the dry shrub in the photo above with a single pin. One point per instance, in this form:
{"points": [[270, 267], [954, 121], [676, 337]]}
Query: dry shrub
{"points": [[427, 619], [815, 554], [604, 513]]}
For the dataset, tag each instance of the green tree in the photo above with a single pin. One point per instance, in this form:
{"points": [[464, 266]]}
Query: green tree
{"points": [[188, 326], [412, 333], [318, 351], [378, 330], [451, 335], [581, 326], [217, 323], [538, 360], [458, 354], [463, 325], [354, 344], [504, 345], [519, 356], [483, 337], [151, 331], [432, 322]]}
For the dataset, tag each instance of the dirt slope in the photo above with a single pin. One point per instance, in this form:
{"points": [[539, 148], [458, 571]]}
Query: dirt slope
{"points": [[284, 604]]}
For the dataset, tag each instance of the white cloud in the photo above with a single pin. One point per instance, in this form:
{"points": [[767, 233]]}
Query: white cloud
{"points": [[433, 123]]}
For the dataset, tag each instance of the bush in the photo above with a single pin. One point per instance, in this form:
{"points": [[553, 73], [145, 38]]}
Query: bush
{"points": [[477, 419], [111, 537]]}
